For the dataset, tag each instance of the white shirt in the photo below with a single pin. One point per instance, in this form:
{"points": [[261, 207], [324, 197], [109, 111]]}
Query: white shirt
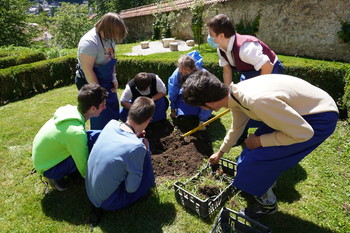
{"points": [[127, 94], [250, 52]]}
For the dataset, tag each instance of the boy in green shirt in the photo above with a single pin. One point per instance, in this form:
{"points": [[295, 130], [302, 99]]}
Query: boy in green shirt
{"points": [[61, 145]]}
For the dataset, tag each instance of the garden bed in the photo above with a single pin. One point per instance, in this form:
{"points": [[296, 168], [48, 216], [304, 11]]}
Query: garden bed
{"points": [[174, 156]]}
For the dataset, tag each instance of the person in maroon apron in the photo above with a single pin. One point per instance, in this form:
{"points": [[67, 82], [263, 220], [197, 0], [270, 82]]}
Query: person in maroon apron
{"points": [[97, 63]]}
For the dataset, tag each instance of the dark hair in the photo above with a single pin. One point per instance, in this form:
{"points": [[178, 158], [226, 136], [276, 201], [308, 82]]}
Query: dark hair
{"points": [[222, 24], [141, 110], [112, 26], [142, 80], [90, 95], [202, 87]]}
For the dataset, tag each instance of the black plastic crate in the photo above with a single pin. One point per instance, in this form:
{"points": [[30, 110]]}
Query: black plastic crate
{"points": [[205, 207], [230, 221]]}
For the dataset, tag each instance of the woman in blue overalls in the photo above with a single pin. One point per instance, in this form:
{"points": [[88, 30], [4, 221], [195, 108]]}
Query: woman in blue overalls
{"points": [[97, 63]]}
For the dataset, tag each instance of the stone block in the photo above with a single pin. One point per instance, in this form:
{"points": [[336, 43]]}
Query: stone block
{"points": [[144, 44], [174, 46], [190, 42], [166, 42]]}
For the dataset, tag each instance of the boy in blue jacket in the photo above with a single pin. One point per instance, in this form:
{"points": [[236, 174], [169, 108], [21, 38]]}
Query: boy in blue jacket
{"points": [[187, 64]]}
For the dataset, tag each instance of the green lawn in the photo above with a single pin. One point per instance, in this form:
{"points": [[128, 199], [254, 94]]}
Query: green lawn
{"points": [[313, 197]]}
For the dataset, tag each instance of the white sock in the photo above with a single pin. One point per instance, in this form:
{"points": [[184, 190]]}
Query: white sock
{"points": [[269, 198]]}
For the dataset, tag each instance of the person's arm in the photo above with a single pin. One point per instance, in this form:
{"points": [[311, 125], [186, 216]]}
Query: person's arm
{"points": [[227, 74], [126, 104], [252, 142], [87, 63], [173, 87], [239, 121], [125, 99], [266, 68], [161, 89], [290, 126], [215, 158], [251, 53], [134, 167], [158, 96], [77, 146], [115, 80]]}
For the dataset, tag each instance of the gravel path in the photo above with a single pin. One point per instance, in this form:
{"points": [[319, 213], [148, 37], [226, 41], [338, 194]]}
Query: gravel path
{"points": [[157, 47]]}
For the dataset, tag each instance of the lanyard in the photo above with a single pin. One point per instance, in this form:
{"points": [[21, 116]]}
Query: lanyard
{"points": [[104, 46], [130, 127]]}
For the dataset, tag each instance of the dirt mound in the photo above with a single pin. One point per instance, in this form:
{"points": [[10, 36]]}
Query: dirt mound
{"points": [[173, 155]]}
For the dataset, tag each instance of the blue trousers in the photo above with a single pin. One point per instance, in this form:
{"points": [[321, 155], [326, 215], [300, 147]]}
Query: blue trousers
{"points": [[278, 68], [121, 198], [258, 169], [162, 105], [68, 166]]}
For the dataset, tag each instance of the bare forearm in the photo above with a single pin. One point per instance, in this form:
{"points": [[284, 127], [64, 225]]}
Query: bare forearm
{"points": [[158, 96], [266, 68], [227, 75], [126, 104], [90, 76]]}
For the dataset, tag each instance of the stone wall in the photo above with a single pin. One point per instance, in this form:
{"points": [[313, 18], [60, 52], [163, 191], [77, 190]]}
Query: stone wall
{"points": [[290, 27]]}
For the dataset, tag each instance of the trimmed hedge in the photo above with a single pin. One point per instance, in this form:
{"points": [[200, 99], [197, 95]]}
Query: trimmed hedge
{"points": [[329, 76], [14, 58], [25, 80], [346, 97]]}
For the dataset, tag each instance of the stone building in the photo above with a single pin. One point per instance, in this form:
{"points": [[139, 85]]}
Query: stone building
{"points": [[291, 27]]}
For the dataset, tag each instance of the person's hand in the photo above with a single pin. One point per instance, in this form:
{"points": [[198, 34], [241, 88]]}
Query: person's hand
{"points": [[214, 158], [173, 113], [252, 142], [141, 134], [145, 142], [115, 83], [201, 123]]}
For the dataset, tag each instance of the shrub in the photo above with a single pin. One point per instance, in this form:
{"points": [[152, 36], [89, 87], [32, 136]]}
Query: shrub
{"points": [[346, 97], [14, 58], [25, 80], [329, 76], [344, 33]]}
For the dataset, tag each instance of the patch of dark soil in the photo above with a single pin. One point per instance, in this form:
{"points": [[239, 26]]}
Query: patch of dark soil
{"points": [[209, 190], [173, 155]]}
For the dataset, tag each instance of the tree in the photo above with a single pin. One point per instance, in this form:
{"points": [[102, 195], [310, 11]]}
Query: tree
{"points": [[13, 24], [69, 24], [104, 6]]}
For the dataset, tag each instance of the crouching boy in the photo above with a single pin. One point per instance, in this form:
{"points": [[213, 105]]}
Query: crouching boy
{"points": [[119, 167]]}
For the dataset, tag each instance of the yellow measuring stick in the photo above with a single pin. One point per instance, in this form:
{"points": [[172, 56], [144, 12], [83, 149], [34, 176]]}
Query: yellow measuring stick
{"points": [[205, 123]]}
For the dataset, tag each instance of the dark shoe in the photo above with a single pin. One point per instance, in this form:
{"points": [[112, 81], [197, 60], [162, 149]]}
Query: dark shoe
{"points": [[59, 185], [259, 211]]}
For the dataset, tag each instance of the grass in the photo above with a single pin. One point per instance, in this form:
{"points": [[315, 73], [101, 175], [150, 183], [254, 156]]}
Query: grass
{"points": [[314, 196]]}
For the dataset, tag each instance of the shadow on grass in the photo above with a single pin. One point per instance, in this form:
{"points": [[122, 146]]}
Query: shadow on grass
{"points": [[282, 222], [285, 190], [148, 215], [216, 130], [73, 206]]}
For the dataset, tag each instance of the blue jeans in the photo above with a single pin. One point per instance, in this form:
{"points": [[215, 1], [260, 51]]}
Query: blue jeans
{"points": [[68, 166]]}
